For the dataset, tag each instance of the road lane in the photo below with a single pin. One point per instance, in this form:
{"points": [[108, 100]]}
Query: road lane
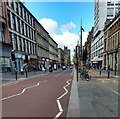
{"points": [[38, 100]]}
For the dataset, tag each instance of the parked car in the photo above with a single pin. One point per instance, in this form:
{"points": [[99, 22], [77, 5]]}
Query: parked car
{"points": [[71, 67], [63, 67]]}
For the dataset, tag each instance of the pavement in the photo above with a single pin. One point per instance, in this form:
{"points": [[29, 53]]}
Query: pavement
{"points": [[74, 102]]}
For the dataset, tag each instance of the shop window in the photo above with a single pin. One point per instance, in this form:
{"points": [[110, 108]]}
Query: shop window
{"points": [[2, 34], [5, 64]]}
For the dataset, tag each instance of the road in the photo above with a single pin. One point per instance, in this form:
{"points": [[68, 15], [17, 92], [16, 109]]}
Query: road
{"points": [[43, 96], [98, 97]]}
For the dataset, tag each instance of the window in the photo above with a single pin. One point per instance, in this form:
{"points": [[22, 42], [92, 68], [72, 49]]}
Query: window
{"points": [[22, 26], [13, 22], [24, 47], [116, 10], [10, 38], [1, 34], [9, 19], [28, 18], [20, 43], [16, 7], [28, 46], [24, 14], [18, 21], [110, 4], [21, 14], [12, 5], [110, 12], [15, 42], [26, 30]]}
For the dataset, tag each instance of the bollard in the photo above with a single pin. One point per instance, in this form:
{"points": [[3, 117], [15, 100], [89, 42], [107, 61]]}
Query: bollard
{"points": [[100, 72], [16, 74], [26, 72], [108, 71]]}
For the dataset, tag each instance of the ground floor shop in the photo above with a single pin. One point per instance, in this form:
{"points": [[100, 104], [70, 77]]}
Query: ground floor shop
{"points": [[111, 59], [5, 55]]}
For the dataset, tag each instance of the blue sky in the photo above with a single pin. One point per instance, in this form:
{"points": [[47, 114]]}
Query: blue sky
{"points": [[62, 20], [64, 12]]}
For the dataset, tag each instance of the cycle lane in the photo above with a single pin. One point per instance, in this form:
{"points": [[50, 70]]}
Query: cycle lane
{"points": [[42, 96]]}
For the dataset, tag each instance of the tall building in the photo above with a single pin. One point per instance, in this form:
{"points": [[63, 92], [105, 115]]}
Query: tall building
{"points": [[102, 10], [60, 57], [22, 33], [111, 44], [5, 43]]}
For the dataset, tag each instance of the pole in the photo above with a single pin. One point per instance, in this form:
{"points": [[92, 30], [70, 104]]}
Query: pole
{"points": [[15, 70], [115, 63], [108, 71], [77, 68], [77, 60], [26, 71]]}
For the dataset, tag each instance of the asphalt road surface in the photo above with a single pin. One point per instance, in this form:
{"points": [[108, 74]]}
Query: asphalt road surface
{"points": [[43, 96]]}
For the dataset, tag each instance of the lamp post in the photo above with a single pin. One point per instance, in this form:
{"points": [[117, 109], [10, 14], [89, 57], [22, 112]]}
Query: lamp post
{"points": [[14, 59], [115, 62], [81, 29]]}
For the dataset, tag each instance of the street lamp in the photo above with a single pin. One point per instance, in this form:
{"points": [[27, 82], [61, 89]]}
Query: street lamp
{"points": [[81, 29], [77, 56]]}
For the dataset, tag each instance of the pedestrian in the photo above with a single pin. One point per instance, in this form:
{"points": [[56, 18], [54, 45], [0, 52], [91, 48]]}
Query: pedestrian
{"points": [[34, 69], [22, 71], [100, 69]]}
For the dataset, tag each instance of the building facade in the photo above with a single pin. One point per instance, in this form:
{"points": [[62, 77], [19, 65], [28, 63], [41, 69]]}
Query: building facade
{"points": [[5, 43], [22, 33], [53, 52], [111, 44], [67, 59], [42, 41], [102, 10], [60, 57], [88, 47]]}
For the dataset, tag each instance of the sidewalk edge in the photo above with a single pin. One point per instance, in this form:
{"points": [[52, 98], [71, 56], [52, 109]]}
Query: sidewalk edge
{"points": [[73, 106]]}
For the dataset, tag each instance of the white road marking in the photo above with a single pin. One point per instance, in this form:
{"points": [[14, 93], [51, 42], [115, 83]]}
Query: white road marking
{"points": [[23, 91], [58, 100], [112, 90], [115, 92]]}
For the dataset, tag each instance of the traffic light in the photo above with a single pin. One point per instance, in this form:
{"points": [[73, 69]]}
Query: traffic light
{"points": [[26, 58], [12, 56]]}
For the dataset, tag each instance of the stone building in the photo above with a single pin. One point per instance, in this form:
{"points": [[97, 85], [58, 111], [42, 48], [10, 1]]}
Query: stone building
{"points": [[103, 9], [42, 41], [21, 33], [5, 43], [61, 57], [112, 43], [53, 52], [67, 60], [88, 46]]}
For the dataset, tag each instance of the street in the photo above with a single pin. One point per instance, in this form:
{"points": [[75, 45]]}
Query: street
{"points": [[43, 96], [49, 95], [99, 96]]}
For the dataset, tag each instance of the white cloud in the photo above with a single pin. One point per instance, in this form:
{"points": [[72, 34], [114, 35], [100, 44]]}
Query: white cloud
{"points": [[49, 24], [67, 27], [67, 38]]}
